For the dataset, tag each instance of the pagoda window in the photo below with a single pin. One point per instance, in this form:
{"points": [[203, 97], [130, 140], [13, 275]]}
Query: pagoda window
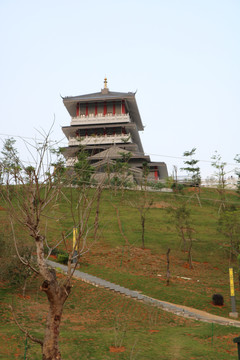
{"points": [[118, 107], [91, 109], [82, 110], [104, 108], [109, 108], [100, 109]]}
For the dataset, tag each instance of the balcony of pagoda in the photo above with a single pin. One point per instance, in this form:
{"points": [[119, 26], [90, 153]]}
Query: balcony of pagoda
{"points": [[103, 139], [100, 119]]}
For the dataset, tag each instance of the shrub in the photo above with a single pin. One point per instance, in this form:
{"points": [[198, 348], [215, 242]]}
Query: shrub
{"points": [[177, 187], [157, 185], [62, 258], [12, 270]]}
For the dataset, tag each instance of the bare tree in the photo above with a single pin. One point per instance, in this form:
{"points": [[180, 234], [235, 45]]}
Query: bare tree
{"points": [[30, 193]]}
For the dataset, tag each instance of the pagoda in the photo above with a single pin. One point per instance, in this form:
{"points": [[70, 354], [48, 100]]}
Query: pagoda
{"points": [[107, 125]]}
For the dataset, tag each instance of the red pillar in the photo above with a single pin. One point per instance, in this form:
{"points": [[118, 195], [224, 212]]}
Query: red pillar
{"points": [[114, 108], [96, 109], [156, 173], [77, 110], [86, 109], [123, 107]]}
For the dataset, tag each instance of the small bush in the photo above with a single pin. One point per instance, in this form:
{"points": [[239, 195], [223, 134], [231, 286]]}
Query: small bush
{"points": [[62, 258], [177, 187], [12, 269], [157, 185]]}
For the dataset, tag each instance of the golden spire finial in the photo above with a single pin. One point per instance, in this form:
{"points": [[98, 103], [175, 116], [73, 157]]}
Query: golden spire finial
{"points": [[105, 83]]}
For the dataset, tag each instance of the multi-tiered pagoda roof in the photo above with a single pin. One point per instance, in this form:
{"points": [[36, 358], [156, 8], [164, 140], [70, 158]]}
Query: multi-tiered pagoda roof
{"points": [[106, 124]]}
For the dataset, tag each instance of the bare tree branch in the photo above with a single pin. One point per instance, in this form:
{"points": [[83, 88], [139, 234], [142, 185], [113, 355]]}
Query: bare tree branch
{"points": [[26, 263], [38, 341]]}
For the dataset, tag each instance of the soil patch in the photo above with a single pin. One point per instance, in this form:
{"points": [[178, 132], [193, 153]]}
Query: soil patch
{"points": [[119, 349], [160, 205]]}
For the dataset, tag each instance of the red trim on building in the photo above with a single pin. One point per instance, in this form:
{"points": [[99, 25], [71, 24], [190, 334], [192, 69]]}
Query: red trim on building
{"points": [[86, 109], [77, 110], [96, 109], [156, 173], [123, 107], [114, 108], [105, 108]]}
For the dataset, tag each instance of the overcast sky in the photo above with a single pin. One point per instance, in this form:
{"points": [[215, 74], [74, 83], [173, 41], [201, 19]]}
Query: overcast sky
{"points": [[182, 57]]}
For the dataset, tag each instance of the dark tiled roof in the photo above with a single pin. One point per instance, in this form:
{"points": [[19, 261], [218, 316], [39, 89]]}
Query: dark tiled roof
{"points": [[110, 95]]}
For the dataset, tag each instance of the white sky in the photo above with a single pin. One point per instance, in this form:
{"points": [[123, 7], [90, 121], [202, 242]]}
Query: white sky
{"points": [[182, 57]]}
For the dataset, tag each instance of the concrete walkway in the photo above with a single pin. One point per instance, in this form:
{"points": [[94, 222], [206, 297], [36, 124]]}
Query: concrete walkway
{"points": [[179, 310]]}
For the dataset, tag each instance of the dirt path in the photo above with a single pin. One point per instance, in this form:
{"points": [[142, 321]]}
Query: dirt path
{"points": [[179, 310]]}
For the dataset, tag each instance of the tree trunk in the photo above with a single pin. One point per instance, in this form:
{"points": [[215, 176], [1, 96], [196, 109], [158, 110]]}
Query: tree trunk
{"points": [[50, 349], [143, 231], [183, 239], [97, 214], [190, 254], [168, 266], [57, 296]]}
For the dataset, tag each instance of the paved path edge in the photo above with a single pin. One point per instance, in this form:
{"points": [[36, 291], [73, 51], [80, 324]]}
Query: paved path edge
{"points": [[179, 310]]}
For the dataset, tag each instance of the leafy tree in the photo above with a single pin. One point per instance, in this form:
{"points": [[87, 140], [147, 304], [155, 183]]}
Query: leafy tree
{"points": [[237, 172], [146, 171], [220, 174], [142, 202], [12, 269], [58, 164], [120, 172], [82, 169], [191, 167], [10, 163], [229, 226], [182, 220]]}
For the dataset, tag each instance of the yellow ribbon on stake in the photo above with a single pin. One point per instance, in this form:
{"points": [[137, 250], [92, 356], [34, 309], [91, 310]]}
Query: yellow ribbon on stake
{"points": [[232, 292]]}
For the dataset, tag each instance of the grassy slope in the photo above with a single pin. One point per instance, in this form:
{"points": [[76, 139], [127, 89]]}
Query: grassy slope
{"points": [[96, 321], [92, 315]]}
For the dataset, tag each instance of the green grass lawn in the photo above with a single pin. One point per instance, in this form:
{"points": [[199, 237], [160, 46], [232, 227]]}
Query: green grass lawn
{"points": [[98, 324]]}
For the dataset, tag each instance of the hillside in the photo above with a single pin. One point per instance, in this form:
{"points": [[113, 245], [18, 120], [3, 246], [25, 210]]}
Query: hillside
{"points": [[101, 325]]}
